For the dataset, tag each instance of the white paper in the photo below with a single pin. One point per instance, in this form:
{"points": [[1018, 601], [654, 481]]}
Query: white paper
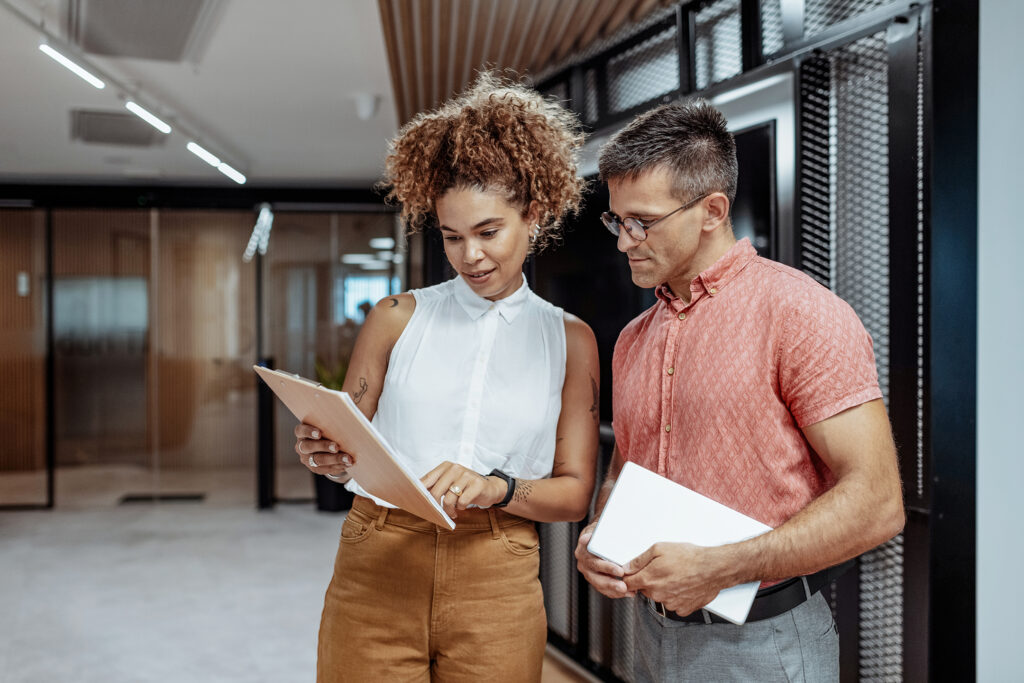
{"points": [[645, 508]]}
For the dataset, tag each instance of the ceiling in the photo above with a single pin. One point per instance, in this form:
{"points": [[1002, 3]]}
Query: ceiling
{"points": [[274, 89]]}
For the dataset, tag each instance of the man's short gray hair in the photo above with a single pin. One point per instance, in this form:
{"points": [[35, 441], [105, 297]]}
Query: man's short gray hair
{"points": [[690, 139]]}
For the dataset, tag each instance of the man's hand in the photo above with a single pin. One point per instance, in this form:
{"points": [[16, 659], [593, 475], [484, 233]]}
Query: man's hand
{"points": [[678, 575], [604, 576]]}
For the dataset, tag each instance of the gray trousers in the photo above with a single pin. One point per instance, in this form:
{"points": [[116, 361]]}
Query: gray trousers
{"points": [[800, 645]]}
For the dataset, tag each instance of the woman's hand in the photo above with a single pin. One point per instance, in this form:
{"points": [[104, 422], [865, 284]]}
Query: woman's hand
{"points": [[457, 487], [321, 456]]}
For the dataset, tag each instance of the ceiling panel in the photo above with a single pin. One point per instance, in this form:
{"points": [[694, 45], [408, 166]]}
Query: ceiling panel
{"points": [[435, 46]]}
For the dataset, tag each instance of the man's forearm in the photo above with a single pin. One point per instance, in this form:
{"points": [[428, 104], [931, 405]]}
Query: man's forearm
{"points": [[844, 522]]}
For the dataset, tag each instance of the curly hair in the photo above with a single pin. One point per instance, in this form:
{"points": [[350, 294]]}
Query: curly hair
{"points": [[498, 135]]}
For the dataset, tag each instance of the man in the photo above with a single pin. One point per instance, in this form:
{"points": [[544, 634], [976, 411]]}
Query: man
{"points": [[747, 382]]}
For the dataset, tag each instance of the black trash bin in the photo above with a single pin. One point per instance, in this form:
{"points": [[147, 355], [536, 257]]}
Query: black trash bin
{"points": [[330, 495]]}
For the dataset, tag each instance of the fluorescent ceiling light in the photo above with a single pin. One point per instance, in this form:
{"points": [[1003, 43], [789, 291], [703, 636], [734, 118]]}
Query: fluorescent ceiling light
{"points": [[382, 243], [231, 173], [203, 154], [71, 66], [147, 117], [358, 258], [385, 255], [375, 265]]}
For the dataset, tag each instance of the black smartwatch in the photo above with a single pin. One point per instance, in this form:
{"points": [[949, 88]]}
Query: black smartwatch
{"points": [[511, 487]]}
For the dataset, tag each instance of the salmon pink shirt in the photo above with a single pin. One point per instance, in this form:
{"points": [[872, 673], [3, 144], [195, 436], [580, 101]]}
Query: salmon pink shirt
{"points": [[713, 393]]}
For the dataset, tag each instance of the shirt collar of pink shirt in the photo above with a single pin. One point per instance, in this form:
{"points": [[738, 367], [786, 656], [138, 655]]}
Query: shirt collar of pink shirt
{"points": [[715, 278], [475, 306]]}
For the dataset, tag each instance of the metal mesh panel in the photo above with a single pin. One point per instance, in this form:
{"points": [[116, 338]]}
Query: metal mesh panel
{"points": [[590, 105], [816, 171], [820, 14], [558, 576], [860, 86], [611, 634], [771, 26], [845, 238], [643, 72], [717, 44]]}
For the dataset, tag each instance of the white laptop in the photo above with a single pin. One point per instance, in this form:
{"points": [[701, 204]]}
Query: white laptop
{"points": [[645, 508]]}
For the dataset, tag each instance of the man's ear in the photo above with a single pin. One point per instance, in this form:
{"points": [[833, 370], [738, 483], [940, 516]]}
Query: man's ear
{"points": [[716, 206]]}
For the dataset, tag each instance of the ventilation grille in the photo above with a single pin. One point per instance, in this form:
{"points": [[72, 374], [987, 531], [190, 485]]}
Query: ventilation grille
{"points": [[113, 128], [148, 29]]}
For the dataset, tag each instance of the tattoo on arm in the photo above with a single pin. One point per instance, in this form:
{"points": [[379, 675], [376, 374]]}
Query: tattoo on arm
{"points": [[522, 492], [358, 396], [394, 302], [593, 407]]}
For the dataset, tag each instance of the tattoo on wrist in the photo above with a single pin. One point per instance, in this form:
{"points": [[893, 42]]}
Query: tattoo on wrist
{"points": [[593, 407], [522, 492], [358, 396]]}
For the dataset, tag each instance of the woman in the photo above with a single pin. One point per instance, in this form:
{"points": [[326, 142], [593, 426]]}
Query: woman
{"points": [[486, 390]]}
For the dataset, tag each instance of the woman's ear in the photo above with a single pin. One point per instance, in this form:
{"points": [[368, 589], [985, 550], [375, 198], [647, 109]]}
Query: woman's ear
{"points": [[716, 205], [533, 213]]}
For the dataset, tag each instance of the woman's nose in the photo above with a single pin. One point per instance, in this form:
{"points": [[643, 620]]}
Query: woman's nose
{"points": [[473, 252]]}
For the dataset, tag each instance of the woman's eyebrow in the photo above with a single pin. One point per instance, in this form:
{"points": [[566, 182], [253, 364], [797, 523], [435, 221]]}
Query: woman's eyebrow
{"points": [[483, 223]]}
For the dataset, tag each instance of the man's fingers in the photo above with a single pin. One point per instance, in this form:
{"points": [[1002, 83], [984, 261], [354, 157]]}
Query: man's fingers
{"points": [[640, 561]]}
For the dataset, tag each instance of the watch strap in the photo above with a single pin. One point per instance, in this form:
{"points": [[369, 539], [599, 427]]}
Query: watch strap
{"points": [[510, 481]]}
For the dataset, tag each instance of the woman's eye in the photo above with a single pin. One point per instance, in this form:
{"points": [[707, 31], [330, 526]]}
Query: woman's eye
{"points": [[489, 233], [452, 238]]}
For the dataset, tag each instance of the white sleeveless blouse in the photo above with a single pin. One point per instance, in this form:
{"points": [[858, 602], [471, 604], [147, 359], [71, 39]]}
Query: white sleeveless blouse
{"points": [[476, 382]]}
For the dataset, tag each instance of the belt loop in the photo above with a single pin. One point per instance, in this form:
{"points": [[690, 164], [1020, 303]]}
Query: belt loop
{"points": [[381, 517], [807, 587], [707, 616], [495, 529]]}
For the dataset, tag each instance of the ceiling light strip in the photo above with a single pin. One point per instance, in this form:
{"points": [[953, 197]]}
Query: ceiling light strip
{"points": [[148, 117], [71, 66]]}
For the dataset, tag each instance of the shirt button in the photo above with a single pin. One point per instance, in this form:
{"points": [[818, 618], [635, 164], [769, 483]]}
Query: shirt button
{"points": [[670, 370], [713, 290], [668, 428], [682, 316]]}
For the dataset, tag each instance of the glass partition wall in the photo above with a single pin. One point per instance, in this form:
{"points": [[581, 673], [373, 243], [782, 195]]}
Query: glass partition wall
{"points": [[152, 331]]}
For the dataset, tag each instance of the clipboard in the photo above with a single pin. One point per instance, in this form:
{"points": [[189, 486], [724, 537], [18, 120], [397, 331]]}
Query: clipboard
{"points": [[376, 468], [645, 508]]}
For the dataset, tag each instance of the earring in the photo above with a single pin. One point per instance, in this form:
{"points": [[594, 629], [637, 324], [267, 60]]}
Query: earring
{"points": [[534, 232]]}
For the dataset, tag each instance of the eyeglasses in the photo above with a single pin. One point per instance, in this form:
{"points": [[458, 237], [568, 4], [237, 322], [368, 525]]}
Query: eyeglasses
{"points": [[636, 228]]}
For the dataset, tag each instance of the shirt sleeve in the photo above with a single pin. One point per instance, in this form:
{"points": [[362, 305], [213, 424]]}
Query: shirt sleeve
{"points": [[826, 360]]}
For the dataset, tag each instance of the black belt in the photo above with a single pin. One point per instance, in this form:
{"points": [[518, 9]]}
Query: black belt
{"points": [[770, 602]]}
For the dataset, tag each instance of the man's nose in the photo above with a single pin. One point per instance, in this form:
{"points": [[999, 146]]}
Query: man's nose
{"points": [[625, 241]]}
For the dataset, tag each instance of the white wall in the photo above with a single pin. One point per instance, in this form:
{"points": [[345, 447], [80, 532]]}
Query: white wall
{"points": [[1000, 342]]}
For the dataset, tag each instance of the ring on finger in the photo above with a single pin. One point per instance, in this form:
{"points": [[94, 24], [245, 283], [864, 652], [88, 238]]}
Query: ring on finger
{"points": [[456, 489], [312, 462]]}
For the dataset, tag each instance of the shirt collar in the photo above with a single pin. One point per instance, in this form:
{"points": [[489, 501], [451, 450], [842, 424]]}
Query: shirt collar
{"points": [[475, 305], [717, 275]]}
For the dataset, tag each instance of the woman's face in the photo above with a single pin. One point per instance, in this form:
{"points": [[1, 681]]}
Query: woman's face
{"points": [[485, 239]]}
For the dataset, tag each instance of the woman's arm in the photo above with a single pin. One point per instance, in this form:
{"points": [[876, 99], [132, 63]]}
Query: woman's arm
{"points": [[565, 496], [364, 381]]}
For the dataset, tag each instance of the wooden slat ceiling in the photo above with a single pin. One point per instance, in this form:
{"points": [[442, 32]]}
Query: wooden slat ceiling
{"points": [[434, 47]]}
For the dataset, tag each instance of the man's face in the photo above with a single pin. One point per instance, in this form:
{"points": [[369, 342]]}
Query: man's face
{"points": [[667, 254]]}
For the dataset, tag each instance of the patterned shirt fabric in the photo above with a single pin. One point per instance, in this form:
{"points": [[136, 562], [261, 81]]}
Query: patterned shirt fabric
{"points": [[476, 382], [713, 393]]}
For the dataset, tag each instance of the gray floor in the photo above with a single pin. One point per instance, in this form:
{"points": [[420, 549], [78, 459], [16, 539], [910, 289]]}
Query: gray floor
{"points": [[168, 592]]}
